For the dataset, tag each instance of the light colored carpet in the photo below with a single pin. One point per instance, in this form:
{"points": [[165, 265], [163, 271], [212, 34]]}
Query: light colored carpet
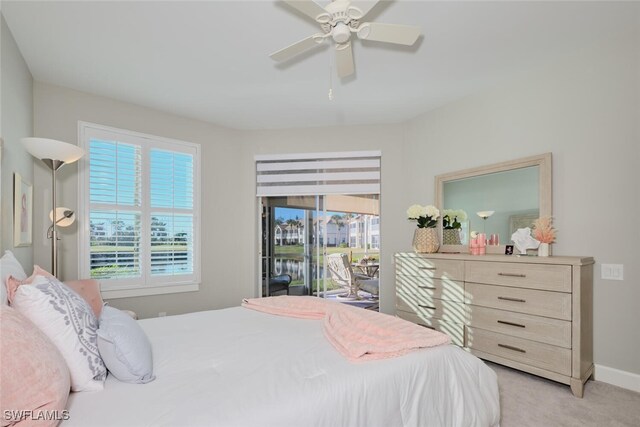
{"points": [[531, 401]]}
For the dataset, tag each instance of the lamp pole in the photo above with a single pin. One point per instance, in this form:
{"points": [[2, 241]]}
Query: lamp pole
{"points": [[54, 165]]}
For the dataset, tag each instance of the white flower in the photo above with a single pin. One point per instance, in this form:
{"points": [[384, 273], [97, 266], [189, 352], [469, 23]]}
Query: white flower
{"points": [[455, 213], [415, 211], [431, 211]]}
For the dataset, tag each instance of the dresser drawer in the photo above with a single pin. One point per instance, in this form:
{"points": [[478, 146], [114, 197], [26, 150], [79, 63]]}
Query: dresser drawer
{"points": [[427, 308], [530, 301], [454, 330], [544, 356], [446, 289], [536, 328], [431, 268], [534, 276]]}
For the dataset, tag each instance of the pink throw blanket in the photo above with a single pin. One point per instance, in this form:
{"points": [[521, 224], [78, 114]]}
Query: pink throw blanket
{"points": [[357, 334]]}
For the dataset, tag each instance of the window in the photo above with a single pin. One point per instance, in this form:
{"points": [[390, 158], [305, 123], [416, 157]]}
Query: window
{"points": [[141, 218]]}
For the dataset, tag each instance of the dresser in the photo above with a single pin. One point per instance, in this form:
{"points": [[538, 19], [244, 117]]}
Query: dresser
{"points": [[529, 313]]}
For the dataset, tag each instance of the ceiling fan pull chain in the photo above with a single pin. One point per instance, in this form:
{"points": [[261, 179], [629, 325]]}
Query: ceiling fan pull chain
{"points": [[330, 79]]}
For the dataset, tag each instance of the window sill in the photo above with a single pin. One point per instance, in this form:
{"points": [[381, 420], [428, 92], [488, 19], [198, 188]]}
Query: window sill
{"points": [[122, 292]]}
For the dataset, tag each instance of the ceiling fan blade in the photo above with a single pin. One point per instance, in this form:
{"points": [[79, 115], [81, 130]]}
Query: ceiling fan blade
{"points": [[297, 48], [344, 60], [389, 33], [362, 8], [309, 8]]}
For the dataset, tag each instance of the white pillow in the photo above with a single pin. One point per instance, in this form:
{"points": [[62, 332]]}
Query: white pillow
{"points": [[9, 266], [124, 347], [70, 324]]}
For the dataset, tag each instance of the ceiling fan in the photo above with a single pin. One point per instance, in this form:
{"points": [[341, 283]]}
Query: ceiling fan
{"points": [[338, 20]]}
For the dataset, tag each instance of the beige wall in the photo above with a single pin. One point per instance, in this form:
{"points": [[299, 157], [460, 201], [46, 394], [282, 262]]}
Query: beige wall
{"points": [[226, 279], [585, 110], [16, 122]]}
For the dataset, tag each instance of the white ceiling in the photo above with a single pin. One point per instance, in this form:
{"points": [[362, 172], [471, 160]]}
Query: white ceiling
{"points": [[209, 59]]}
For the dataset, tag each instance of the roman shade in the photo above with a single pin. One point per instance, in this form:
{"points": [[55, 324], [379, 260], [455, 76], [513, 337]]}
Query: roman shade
{"points": [[318, 173]]}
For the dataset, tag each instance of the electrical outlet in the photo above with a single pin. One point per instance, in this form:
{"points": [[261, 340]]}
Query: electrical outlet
{"points": [[612, 271], [162, 314]]}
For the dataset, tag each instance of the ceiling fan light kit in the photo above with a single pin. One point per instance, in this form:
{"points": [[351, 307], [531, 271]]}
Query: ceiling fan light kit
{"points": [[338, 20]]}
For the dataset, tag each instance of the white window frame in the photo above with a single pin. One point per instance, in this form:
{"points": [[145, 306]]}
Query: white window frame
{"points": [[123, 288]]}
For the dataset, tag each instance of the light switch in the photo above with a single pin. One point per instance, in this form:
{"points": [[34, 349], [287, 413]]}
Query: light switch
{"points": [[612, 271]]}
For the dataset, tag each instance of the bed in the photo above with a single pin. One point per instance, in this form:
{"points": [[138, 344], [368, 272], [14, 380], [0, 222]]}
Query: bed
{"points": [[240, 367]]}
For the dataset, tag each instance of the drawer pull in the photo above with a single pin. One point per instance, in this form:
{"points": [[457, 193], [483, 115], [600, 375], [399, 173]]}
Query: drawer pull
{"points": [[427, 268], [511, 348], [511, 324], [426, 306], [427, 287], [512, 275], [512, 299]]}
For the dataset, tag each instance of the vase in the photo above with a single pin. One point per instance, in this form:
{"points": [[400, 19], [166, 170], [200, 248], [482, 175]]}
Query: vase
{"points": [[451, 237], [425, 240], [543, 249]]}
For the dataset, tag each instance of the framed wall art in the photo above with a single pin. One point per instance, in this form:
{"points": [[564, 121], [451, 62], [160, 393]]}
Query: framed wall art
{"points": [[22, 211]]}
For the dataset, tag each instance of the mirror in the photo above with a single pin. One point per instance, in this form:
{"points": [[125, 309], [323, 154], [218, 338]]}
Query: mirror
{"points": [[497, 200]]}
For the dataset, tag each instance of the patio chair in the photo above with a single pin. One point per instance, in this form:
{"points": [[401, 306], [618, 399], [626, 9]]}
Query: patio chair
{"points": [[343, 275], [277, 284]]}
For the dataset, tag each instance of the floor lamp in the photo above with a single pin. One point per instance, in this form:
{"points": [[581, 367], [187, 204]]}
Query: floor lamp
{"points": [[54, 154]]}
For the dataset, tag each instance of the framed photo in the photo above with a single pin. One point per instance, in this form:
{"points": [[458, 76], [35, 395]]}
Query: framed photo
{"points": [[508, 250], [22, 211]]}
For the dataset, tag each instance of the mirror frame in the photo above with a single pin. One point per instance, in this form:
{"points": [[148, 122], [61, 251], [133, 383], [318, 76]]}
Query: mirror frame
{"points": [[543, 161]]}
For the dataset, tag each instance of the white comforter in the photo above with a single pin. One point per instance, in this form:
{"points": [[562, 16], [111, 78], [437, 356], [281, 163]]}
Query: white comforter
{"points": [[239, 367]]}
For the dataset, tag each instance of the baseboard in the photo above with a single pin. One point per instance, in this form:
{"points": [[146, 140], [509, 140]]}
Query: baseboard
{"points": [[623, 379]]}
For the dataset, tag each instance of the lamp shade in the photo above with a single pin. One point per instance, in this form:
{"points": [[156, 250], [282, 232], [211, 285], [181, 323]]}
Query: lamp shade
{"points": [[64, 216], [485, 214], [45, 148]]}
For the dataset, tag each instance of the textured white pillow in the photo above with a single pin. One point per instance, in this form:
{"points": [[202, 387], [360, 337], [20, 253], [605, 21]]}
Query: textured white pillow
{"points": [[124, 347], [70, 324], [9, 266]]}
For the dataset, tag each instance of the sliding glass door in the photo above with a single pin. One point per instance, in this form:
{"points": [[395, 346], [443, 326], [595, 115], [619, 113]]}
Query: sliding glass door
{"points": [[299, 232]]}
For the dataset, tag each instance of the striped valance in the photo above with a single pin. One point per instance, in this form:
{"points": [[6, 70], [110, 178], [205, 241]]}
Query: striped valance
{"points": [[318, 173]]}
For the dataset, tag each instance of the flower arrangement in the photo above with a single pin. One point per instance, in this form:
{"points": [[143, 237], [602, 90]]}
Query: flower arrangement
{"points": [[451, 219], [543, 230], [426, 216]]}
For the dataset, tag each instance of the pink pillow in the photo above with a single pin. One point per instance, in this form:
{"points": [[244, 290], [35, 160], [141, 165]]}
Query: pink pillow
{"points": [[89, 290], [33, 374]]}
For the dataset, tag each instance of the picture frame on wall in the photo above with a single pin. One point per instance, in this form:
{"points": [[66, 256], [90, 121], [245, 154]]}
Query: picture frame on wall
{"points": [[22, 211]]}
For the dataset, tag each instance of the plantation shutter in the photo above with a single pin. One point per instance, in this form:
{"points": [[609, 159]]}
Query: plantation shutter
{"points": [[171, 213], [115, 213], [318, 173]]}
